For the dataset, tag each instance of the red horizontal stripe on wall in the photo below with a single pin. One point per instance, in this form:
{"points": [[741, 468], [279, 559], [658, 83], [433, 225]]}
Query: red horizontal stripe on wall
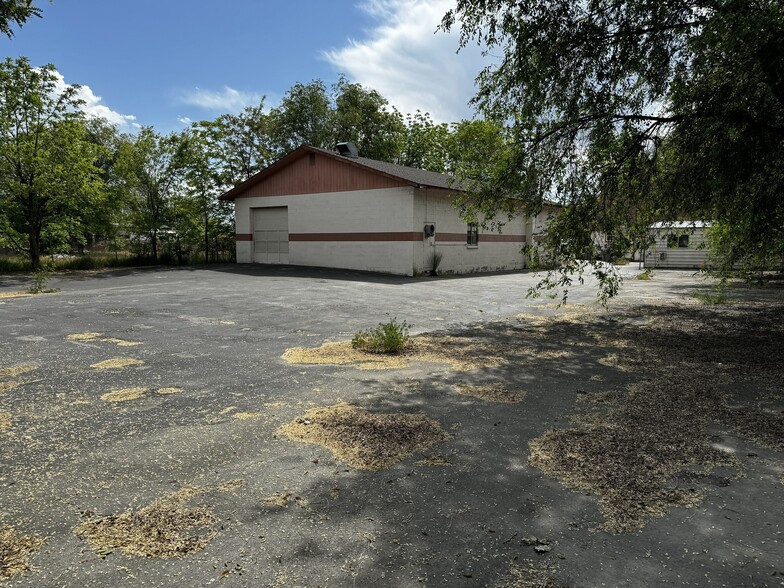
{"points": [[451, 237], [390, 236], [483, 238], [403, 236], [496, 238]]}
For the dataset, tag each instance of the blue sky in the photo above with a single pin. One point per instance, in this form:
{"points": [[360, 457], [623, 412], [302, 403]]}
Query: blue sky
{"points": [[164, 62]]}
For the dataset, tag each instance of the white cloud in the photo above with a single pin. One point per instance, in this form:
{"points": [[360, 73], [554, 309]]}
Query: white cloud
{"points": [[226, 100], [92, 105], [409, 63], [184, 120]]}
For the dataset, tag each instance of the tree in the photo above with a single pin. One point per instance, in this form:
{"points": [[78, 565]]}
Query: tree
{"points": [[633, 111], [199, 207], [423, 143], [238, 145], [478, 153], [16, 12], [305, 116], [151, 167], [363, 117], [48, 181], [106, 221]]}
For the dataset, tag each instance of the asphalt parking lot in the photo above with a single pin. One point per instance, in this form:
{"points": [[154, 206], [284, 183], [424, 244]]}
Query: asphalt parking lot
{"points": [[208, 390]]}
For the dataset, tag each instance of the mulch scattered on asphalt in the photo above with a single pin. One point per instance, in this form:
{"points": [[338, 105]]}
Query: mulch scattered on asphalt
{"points": [[100, 337], [124, 394], [460, 353], [246, 416], [166, 528], [14, 294], [16, 550], [637, 444], [492, 393], [529, 574], [16, 371], [5, 421], [342, 353], [116, 363], [365, 440], [168, 390], [8, 386]]}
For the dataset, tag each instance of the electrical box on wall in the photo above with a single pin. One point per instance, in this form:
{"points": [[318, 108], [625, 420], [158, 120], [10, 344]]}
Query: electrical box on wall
{"points": [[430, 231]]}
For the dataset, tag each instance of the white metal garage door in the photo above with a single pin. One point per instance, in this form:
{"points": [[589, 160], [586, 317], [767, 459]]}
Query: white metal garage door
{"points": [[271, 235]]}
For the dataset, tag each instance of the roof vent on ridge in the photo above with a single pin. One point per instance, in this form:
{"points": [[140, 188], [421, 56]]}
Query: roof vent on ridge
{"points": [[347, 149]]}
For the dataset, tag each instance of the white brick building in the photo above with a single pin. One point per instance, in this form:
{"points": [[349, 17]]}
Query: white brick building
{"points": [[318, 208]]}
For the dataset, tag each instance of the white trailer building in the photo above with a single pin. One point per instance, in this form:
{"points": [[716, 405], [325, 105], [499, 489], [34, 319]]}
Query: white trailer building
{"points": [[681, 245]]}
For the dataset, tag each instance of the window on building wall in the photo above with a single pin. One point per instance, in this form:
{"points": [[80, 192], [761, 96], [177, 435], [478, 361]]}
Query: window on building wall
{"points": [[677, 241], [472, 234]]}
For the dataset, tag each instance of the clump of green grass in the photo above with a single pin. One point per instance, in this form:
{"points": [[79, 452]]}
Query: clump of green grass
{"points": [[645, 275], [715, 297], [391, 337]]}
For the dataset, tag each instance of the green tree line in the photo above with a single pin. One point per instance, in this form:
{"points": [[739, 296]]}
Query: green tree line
{"points": [[68, 181], [626, 113]]}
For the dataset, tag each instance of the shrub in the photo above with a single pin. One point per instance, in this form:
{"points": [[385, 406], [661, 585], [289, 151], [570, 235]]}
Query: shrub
{"points": [[390, 337], [41, 277], [718, 297], [646, 275]]}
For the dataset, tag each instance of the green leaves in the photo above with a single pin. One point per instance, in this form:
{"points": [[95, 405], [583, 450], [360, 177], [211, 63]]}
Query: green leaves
{"points": [[48, 179], [16, 12], [633, 112]]}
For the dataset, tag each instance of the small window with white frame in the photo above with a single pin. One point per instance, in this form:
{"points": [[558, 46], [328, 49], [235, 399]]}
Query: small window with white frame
{"points": [[472, 235]]}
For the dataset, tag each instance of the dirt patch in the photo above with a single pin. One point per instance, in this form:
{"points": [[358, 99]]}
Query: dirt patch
{"points": [[116, 363], [166, 528], [492, 393], [5, 421], [124, 394], [16, 551], [16, 371], [362, 439], [460, 353]]}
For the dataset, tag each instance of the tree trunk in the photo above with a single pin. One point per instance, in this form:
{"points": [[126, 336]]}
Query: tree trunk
{"points": [[154, 244], [206, 237], [35, 248]]}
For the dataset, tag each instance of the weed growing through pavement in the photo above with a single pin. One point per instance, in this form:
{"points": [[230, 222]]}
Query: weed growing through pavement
{"points": [[391, 337]]}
